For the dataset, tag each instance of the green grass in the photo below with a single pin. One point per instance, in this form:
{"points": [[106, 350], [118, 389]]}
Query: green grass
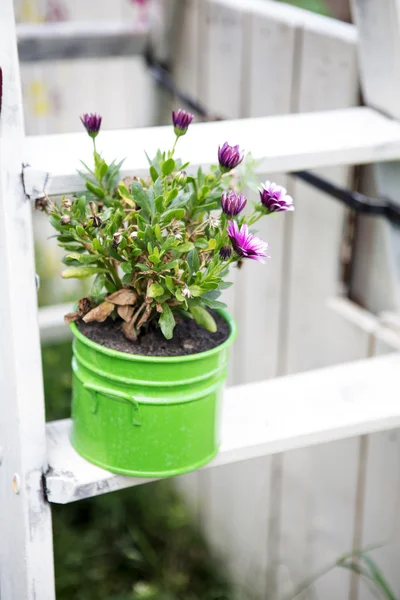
{"points": [[139, 543]]}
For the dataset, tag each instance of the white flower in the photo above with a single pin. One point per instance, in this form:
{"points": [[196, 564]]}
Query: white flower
{"points": [[186, 292]]}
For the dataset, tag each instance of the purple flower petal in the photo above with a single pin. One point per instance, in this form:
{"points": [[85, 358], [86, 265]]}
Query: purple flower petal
{"points": [[229, 157], [245, 244], [92, 123], [232, 204], [181, 120], [275, 198]]}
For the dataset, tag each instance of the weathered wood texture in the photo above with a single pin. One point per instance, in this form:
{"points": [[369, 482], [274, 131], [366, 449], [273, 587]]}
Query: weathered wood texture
{"points": [[26, 556]]}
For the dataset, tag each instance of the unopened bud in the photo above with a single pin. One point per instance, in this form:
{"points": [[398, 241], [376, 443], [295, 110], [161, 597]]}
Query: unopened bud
{"points": [[41, 203], [65, 220], [181, 178], [66, 203], [117, 239], [96, 221], [225, 252]]}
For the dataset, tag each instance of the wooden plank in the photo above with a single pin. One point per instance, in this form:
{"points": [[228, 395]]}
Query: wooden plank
{"points": [[308, 501], [349, 136], [377, 277], [26, 555], [377, 282], [377, 485], [326, 405], [66, 40]]}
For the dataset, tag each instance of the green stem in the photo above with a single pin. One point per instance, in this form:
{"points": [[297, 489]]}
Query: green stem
{"points": [[114, 274]]}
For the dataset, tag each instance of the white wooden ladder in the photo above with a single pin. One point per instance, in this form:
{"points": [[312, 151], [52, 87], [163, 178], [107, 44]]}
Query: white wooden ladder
{"points": [[37, 462]]}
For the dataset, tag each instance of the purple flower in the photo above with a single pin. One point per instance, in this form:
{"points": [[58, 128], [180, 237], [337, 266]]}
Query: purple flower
{"points": [[229, 157], [91, 123], [245, 244], [225, 252], [181, 120], [232, 203], [275, 198]]}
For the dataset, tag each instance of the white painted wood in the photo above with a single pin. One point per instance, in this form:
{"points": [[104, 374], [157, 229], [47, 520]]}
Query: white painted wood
{"points": [[26, 557], [315, 500], [329, 404], [377, 285], [66, 40], [348, 136]]}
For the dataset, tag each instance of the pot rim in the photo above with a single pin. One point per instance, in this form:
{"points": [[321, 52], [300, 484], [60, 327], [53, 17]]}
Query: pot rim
{"points": [[162, 359]]}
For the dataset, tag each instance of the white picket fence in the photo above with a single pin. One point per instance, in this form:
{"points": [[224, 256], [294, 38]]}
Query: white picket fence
{"points": [[278, 518]]}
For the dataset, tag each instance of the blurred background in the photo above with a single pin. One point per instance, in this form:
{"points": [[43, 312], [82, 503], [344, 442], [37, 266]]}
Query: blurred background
{"points": [[252, 531]]}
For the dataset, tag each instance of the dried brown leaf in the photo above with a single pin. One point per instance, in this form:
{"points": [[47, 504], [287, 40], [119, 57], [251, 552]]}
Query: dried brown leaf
{"points": [[84, 306], [100, 313], [125, 312], [144, 316], [122, 297], [71, 317], [129, 331]]}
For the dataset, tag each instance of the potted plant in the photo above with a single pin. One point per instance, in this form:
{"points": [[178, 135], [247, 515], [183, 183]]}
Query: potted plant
{"points": [[151, 342]]}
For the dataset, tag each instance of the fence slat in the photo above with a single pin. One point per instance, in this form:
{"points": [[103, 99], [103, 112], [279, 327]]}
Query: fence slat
{"points": [[317, 499]]}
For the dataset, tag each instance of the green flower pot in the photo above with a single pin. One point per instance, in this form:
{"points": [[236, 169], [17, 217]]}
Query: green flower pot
{"points": [[147, 416]]}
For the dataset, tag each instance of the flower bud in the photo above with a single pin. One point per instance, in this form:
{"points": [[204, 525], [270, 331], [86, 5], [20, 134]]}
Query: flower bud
{"points": [[229, 157], [232, 204], [117, 239], [66, 203], [65, 220], [181, 178], [181, 120], [41, 203], [225, 252], [91, 123]]}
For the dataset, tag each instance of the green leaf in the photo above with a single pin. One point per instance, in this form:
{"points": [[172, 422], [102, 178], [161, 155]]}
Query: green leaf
{"points": [[85, 259], [96, 245], [196, 290], [80, 231], [172, 195], [98, 284], [81, 272], [174, 213], [214, 304], [95, 190], [193, 261], [141, 197], [155, 290], [167, 322], [153, 173], [126, 267], [103, 169], [142, 267], [184, 247], [201, 243], [170, 284], [159, 203], [168, 166], [224, 285], [203, 318]]}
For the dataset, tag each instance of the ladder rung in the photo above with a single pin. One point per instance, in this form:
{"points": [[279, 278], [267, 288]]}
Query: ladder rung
{"points": [[284, 143], [326, 405], [73, 39]]}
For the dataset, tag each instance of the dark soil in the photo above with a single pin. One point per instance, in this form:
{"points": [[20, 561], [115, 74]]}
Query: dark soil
{"points": [[189, 338]]}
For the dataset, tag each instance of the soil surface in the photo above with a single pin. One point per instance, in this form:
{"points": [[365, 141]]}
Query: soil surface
{"points": [[189, 338]]}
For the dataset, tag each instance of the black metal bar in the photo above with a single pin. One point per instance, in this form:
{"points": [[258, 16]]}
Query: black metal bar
{"points": [[355, 200], [358, 202]]}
